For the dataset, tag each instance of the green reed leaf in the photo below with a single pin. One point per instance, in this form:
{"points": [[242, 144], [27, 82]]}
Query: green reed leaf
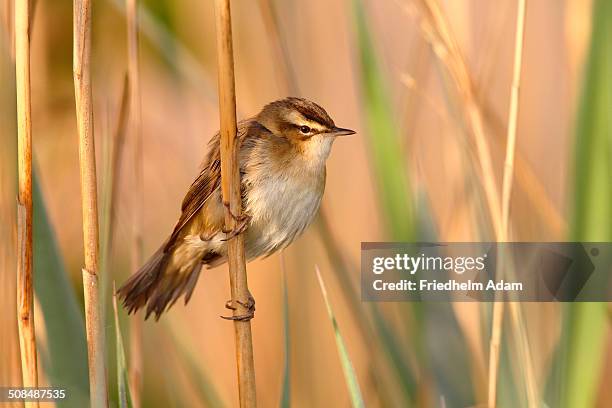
{"points": [[347, 365], [583, 351], [66, 362], [388, 160], [123, 389]]}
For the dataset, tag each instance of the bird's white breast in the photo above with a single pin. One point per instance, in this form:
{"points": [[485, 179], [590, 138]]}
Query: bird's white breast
{"points": [[282, 204]]}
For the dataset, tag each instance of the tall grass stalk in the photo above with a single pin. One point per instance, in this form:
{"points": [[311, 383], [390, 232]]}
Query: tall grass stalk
{"points": [[439, 34], [89, 200], [25, 280], [347, 366], [123, 389], [513, 117], [367, 327], [388, 162], [498, 307], [135, 130], [396, 202], [525, 176], [494, 345], [113, 147], [112, 177], [230, 188]]}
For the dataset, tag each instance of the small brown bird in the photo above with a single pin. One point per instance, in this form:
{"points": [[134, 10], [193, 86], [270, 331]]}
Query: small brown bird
{"points": [[282, 156]]}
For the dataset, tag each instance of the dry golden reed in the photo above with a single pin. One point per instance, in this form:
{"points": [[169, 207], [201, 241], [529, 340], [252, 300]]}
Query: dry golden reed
{"points": [[135, 133], [230, 188], [25, 280], [89, 201]]}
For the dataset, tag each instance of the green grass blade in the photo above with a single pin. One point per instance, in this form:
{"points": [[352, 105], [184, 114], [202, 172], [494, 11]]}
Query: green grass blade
{"points": [[66, 365], [593, 161], [585, 325], [387, 159], [347, 365], [585, 330], [123, 388], [376, 329]]}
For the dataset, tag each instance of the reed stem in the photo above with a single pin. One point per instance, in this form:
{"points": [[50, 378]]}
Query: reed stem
{"points": [[507, 183], [230, 188], [89, 200], [445, 46], [494, 345], [25, 280], [135, 366], [513, 117]]}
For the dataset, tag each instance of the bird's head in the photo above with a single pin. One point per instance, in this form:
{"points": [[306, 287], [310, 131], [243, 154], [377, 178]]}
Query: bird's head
{"points": [[303, 123]]}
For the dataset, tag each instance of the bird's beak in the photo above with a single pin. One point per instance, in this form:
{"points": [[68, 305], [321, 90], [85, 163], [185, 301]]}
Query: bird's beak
{"points": [[336, 131]]}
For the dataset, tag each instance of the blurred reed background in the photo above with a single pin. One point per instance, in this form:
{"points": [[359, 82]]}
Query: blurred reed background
{"points": [[417, 79]]}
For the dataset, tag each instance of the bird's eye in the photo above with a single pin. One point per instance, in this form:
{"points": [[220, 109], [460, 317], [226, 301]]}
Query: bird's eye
{"points": [[304, 129]]}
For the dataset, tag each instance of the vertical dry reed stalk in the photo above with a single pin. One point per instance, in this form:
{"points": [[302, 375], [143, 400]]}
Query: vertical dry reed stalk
{"points": [[230, 188], [25, 280], [498, 307], [8, 23], [494, 344], [89, 200], [135, 366], [525, 176], [437, 31], [116, 155], [513, 117]]}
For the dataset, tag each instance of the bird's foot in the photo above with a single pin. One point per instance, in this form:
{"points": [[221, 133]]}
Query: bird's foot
{"points": [[249, 305], [242, 223]]}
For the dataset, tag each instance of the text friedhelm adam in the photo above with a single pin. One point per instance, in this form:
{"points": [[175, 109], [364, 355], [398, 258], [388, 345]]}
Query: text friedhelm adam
{"points": [[450, 285]]}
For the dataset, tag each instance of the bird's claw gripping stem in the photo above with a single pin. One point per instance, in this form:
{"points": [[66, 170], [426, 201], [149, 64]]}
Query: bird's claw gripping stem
{"points": [[242, 223], [249, 305]]}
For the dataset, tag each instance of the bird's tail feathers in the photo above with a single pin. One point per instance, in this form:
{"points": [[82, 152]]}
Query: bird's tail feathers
{"points": [[158, 284]]}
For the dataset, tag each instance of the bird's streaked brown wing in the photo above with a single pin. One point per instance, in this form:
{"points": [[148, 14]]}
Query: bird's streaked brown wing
{"points": [[202, 188]]}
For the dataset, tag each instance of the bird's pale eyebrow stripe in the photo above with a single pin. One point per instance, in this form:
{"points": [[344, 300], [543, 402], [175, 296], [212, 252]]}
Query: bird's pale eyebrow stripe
{"points": [[298, 119]]}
